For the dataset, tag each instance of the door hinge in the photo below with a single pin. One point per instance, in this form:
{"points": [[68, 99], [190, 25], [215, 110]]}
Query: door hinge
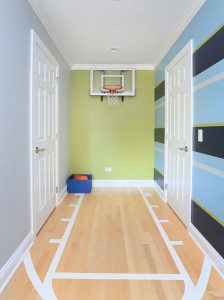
{"points": [[57, 189], [166, 186]]}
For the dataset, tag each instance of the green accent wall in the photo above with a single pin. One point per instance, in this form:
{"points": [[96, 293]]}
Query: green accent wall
{"points": [[120, 137]]}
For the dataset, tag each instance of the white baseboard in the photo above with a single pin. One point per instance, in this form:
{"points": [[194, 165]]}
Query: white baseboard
{"points": [[123, 183], [62, 194], [212, 255], [159, 190], [15, 260]]}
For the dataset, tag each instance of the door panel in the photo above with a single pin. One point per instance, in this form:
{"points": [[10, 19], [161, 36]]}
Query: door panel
{"points": [[179, 136]]}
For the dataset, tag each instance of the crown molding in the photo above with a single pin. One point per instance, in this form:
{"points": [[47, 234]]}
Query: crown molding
{"points": [[181, 25], [50, 31], [113, 66]]}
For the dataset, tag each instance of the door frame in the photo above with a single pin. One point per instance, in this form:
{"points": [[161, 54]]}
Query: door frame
{"points": [[37, 42], [187, 50]]}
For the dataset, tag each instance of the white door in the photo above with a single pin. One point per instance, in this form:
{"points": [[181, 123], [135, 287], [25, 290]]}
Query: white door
{"points": [[179, 133], [44, 133]]}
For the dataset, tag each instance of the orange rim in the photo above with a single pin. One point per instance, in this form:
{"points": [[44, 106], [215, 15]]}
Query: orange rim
{"points": [[113, 87]]}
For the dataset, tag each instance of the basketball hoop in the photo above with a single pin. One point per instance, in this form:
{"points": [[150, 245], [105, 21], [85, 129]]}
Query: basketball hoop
{"points": [[112, 91]]}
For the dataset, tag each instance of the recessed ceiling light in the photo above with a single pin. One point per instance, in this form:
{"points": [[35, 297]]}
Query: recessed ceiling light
{"points": [[113, 49]]}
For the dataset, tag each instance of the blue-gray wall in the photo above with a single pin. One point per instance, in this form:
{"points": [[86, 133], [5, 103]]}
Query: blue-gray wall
{"points": [[16, 20], [207, 32]]}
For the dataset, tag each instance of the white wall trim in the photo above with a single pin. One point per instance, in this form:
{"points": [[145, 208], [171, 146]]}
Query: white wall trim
{"points": [[123, 183], [62, 194], [113, 66], [159, 191], [43, 19], [212, 255], [194, 7], [15, 260]]}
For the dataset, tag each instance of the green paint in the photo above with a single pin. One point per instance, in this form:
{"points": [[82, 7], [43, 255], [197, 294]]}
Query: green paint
{"points": [[120, 137], [211, 35], [209, 125], [208, 212]]}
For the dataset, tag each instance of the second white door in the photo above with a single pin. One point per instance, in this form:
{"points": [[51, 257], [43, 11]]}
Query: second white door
{"points": [[179, 133]]}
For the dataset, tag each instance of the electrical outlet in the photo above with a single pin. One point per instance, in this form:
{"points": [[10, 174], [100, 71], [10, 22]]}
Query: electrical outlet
{"points": [[108, 169], [200, 135]]}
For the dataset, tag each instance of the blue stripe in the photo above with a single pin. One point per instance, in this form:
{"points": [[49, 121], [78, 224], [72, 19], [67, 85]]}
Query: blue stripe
{"points": [[160, 101], [211, 161], [209, 73], [209, 104], [159, 145], [160, 116], [208, 190], [159, 161]]}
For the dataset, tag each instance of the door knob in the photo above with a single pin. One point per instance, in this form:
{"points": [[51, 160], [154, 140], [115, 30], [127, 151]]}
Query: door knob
{"points": [[38, 150], [184, 149]]}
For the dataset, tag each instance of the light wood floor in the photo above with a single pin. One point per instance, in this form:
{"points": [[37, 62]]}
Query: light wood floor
{"points": [[113, 233]]}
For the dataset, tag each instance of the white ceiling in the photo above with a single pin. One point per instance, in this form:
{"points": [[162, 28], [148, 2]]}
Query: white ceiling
{"points": [[142, 30]]}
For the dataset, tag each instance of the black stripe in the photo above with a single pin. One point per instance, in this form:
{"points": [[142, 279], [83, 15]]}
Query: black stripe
{"points": [[159, 135], [159, 178], [211, 52], [208, 227], [213, 141], [160, 90]]}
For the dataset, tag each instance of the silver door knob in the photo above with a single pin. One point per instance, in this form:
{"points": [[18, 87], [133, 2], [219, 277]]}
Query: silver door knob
{"points": [[38, 150], [184, 149]]}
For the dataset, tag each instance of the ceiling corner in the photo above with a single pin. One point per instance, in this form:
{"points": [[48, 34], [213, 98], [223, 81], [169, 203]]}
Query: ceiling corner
{"points": [[50, 31]]}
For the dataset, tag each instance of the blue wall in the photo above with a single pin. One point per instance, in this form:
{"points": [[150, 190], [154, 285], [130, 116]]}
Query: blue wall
{"points": [[207, 32]]}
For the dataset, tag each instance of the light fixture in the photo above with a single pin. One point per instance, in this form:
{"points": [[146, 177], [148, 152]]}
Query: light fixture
{"points": [[113, 49]]}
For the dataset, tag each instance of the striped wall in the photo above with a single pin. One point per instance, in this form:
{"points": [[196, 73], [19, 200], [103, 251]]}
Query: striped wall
{"points": [[207, 32]]}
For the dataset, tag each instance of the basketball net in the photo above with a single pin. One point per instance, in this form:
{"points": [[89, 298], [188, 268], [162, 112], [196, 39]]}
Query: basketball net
{"points": [[112, 93]]}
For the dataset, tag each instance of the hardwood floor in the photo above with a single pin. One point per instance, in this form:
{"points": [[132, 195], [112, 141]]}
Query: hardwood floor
{"points": [[113, 233]]}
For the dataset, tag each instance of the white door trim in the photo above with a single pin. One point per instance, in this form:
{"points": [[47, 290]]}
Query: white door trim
{"points": [[35, 40], [187, 50]]}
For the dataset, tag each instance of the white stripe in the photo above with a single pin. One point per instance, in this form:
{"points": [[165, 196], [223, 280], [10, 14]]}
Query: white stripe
{"points": [[65, 220], [188, 282], [158, 149], [163, 221], [154, 206], [54, 241], [117, 276], [60, 249], [209, 169], [148, 194], [36, 282], [159, 105], [177, 243], [72, 205], [209, 81]]}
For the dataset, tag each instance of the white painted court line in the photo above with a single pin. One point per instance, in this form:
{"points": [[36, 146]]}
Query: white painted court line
{"points": [[34, 278], [177, 243], [65, 220], [190, 291], [117, 276], [72, 205], [163, 221], [154, 206], [54, 241], [148, 194]]}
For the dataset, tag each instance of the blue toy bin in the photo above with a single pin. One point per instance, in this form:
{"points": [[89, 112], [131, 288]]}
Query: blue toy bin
{"points": [[79, 186]]}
